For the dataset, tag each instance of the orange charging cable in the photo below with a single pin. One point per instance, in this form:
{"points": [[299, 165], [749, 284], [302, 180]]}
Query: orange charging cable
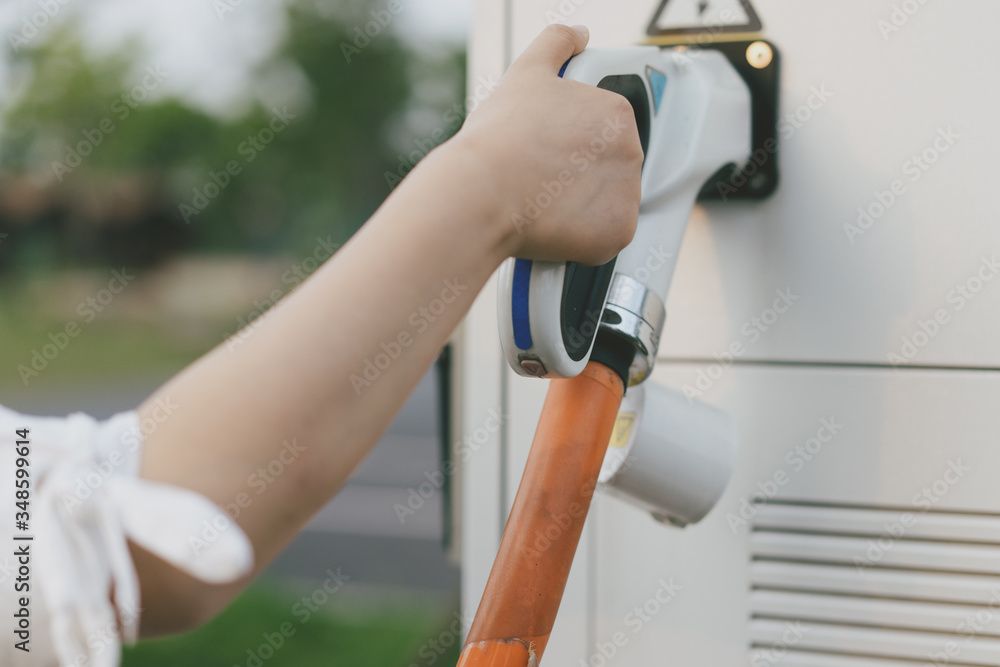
{"points": [[529, 574]]}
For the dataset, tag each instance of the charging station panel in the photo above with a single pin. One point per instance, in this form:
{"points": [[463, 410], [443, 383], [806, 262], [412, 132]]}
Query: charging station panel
{"points": [[864, 292], [861, 528]]}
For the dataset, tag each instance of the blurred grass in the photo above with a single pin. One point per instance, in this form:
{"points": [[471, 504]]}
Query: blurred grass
{"points": [[105, 349], [380, 637]]}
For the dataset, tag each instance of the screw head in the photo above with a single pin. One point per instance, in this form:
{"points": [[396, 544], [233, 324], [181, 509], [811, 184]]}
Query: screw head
{"points": [[760, 55], [533, 367]]}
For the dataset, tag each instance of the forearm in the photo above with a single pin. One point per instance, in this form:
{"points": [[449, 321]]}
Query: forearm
{"points": [[404, 280]]}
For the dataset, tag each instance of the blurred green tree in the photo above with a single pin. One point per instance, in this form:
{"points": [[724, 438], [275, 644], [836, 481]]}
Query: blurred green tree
{"points": [[92, 171]]}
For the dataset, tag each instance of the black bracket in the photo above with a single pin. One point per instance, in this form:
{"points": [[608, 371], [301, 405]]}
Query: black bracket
{"points": [[759, 63]]}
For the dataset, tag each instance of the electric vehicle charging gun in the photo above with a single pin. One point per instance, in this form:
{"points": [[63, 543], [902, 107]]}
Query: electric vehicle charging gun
{"points": [[662, 453], [693, 111]]}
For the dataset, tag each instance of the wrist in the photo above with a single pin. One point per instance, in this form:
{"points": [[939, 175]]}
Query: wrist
{"points": [[475, 183]]}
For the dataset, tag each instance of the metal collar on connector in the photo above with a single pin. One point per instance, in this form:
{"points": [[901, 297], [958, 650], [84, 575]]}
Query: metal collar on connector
{"points": [[637, 314]]}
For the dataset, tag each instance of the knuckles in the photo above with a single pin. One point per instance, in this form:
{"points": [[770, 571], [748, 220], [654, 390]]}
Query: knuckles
{"points": [[626, 225], [562, 32], [619, 112]]}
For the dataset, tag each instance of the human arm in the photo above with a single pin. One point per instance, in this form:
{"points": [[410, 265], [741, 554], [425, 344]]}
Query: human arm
{"points": [[407, 277]]}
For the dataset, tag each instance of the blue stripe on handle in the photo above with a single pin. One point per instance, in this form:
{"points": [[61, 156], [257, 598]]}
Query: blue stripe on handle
{"points": [[562, 70], [519, 304]]}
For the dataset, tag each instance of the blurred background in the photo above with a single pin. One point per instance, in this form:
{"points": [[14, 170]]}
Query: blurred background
{"points": [[168, 170]]}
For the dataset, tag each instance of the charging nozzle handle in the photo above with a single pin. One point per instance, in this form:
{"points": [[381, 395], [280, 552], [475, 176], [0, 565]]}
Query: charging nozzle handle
{"points": [[652, 255], [549, 312]]}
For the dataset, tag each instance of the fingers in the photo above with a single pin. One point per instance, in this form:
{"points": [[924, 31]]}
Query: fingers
{"points": [[553, 47]]}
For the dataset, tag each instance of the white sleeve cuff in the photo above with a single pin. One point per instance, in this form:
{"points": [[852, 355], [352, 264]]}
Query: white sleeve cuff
{"points": [[86, 500]]}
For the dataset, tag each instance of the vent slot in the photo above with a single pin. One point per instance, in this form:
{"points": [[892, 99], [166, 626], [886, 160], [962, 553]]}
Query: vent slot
{"points": [[855, 586]]}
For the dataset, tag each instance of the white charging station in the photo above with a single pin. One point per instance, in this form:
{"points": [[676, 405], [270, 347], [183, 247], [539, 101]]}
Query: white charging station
{"points": [[850, 326]]}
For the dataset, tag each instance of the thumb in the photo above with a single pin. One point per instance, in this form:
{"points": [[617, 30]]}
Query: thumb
{"points": [[554, 46]]}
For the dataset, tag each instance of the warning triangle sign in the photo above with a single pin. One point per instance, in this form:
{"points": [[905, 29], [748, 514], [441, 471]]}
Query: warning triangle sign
{"points": [[710, 17], [622, 430]]}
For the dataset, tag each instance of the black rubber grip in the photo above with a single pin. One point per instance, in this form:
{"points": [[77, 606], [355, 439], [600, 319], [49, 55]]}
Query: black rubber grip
{"points": [[614, 352]]}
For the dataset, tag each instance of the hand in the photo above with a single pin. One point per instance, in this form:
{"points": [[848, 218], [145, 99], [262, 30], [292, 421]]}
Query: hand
{"points": [[562, 158], [403, 282]]}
